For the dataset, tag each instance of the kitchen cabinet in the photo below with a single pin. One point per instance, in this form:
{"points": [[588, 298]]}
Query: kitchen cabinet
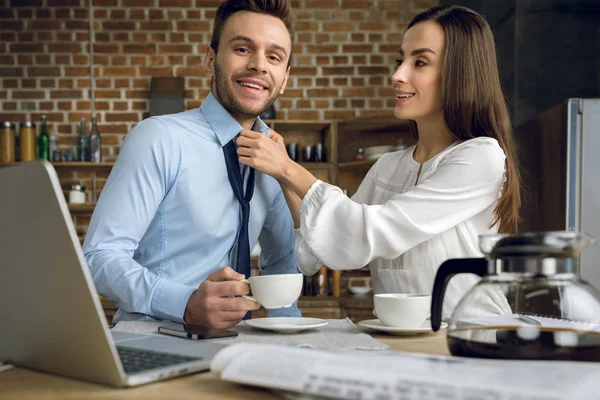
{"points": [[92, 176], [340, 138], [357, 308]]}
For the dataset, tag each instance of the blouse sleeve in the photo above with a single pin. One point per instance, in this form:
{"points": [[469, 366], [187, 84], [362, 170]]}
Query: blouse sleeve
{"points": [[344, 234], [308, 263]]}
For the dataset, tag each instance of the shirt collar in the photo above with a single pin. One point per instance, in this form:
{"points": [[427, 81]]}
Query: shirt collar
{"points": [[223, 124]]}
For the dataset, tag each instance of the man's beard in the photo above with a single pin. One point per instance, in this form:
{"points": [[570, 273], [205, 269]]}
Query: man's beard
{"points": [[224, 93]]}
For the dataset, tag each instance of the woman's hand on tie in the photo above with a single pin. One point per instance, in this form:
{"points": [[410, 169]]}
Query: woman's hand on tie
{"points": [[266, 154]]}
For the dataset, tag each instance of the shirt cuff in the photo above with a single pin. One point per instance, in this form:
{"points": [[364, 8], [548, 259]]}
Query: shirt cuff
{"points": [[170, 299], [311, 190]]}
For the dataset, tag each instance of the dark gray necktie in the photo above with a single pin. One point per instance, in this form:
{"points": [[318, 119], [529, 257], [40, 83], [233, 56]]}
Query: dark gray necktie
{"points": [[237, 184]]}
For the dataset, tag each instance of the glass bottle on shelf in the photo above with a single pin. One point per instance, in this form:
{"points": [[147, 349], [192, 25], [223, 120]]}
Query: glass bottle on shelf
{"points": [[7, 142], [17, 145], [82, 143], [44, 142], [27, 141], [360, 155], [54, 153], [95, 142]]}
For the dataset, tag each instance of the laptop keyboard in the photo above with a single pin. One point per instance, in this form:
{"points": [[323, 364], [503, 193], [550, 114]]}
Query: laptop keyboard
{"points": [[136, 360]]}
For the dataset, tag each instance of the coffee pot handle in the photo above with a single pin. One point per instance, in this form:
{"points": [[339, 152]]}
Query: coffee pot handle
{"points": [[446, 271]]}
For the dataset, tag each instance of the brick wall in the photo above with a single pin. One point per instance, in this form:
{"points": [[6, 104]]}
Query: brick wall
{"points": [[344, 56]]}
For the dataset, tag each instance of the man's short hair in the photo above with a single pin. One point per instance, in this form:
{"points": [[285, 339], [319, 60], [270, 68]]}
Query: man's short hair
{"points": [[281, 9]]}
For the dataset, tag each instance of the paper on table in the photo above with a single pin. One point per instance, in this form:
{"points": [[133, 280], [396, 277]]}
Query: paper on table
{"points": [[515, 320], [338, 334], [383, 375]]}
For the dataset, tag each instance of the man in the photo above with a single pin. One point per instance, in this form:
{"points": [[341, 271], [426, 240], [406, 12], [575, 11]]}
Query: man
{"points": [[166, 227]]}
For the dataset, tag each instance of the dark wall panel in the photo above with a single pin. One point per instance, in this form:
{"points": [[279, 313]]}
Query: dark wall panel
{"points": [[548, 50]]}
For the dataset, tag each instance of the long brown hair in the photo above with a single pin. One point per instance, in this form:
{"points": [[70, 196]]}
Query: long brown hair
{"points": [[473, 102], [281, 9]]}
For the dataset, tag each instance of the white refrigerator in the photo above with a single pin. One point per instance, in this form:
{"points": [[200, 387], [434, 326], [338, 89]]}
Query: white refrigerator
{"points": [[559, 153]]}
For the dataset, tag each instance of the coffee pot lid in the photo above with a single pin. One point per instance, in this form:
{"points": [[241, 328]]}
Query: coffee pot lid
{"points": [[554, 244]]}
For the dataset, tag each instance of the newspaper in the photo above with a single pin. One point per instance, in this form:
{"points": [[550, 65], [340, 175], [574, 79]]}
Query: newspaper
{"points": [[401, 375]]}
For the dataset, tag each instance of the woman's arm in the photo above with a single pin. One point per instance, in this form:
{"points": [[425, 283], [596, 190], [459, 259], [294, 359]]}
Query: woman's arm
{"points": [[294, 203], [345, 234]]}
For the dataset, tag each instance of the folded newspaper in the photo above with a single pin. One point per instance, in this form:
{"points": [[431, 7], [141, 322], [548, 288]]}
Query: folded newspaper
{"points": [[401, 375]]}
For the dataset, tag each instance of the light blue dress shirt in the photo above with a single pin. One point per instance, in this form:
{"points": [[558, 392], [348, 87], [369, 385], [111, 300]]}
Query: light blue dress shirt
{"points": [[167, 216]]}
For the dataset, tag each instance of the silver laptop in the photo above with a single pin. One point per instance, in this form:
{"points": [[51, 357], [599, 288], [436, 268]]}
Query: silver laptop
{"points": [[50, 315]]}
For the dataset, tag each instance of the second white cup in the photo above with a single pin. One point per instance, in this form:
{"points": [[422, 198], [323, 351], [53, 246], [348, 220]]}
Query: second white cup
{"points": [[402, 310]]}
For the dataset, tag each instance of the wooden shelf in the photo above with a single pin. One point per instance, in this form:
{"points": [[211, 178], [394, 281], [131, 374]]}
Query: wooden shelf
{"points": [[357, 308], [81, 208], [81, 164], [364, 301], [340, 138], [318, 301], [81, 231], [75, 164], [315, 165], [356, 166]]}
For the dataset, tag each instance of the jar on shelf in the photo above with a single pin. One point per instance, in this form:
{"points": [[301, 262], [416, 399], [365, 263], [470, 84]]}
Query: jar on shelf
{"points": [[77, 194], [69, 155], [308, 154], [56, 156], [7, 142], [27, 141], [320, 153]]}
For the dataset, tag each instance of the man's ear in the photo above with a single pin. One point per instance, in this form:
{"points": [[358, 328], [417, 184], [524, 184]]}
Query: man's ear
{"points": [[285, 79], [209, 61]]}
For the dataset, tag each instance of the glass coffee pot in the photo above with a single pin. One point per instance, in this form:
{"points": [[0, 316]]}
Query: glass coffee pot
{"points": [[529, 304]]}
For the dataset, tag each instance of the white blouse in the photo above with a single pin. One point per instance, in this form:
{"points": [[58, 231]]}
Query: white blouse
{"points": [[404, 229]]}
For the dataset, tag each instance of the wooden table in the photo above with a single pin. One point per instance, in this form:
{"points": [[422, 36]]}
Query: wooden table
{"points": [[24, 384]]}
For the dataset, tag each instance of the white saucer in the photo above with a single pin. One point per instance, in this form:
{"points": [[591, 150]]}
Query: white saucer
{"points": [[378, 325], [286, 324]]}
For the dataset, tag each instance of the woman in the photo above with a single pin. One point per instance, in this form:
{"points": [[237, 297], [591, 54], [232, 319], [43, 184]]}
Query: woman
{"points": [[418, 207]]}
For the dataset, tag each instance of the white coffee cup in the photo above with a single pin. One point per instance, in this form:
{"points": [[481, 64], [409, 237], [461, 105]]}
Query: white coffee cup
{"points": [[275, 291], [402, 310]]}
